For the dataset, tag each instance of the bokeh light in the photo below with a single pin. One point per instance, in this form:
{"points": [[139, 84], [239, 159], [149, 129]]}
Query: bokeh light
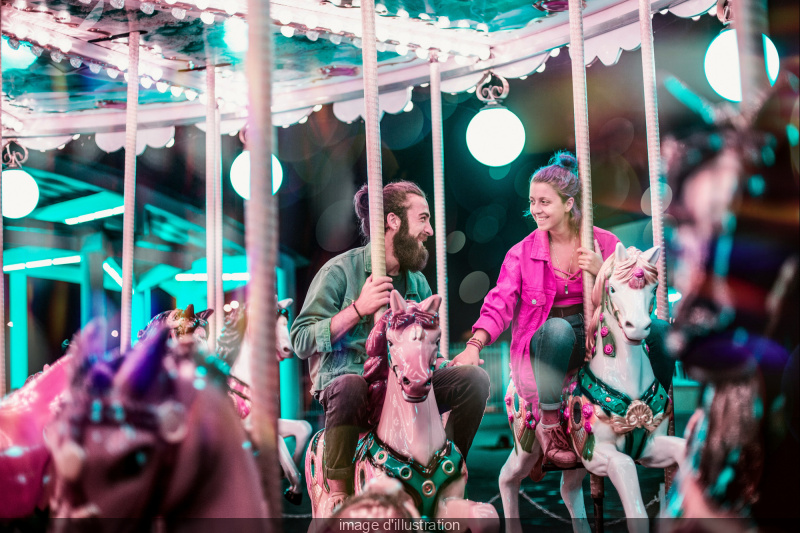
{"points": [[240, 174], [722, 65], [474, 287], [22, 57], [666, 199], [235, 36], [495, 136], [456, 241], [20, 193], [336, 229]]}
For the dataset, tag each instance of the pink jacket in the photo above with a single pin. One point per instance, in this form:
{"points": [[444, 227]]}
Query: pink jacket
{"points": [[523, 297]]}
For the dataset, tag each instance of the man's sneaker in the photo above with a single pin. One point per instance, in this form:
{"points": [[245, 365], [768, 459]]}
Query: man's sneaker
{"points": [[557, 449]]}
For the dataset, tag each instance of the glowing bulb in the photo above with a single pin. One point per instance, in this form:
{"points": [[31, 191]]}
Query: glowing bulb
{"points": [[722, 65], [495, 136], [240, 174], [22, 57], [235, 34], [20, 193]]}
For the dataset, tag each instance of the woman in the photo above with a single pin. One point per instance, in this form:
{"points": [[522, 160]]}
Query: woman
{"points": [[540, 289]]}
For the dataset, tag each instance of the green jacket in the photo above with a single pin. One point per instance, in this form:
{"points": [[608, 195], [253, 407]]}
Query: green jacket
{"points": [[336, 286]]}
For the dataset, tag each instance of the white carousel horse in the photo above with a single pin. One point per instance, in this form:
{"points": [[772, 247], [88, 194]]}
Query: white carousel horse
{"points": [[241, 372], [616, 411], [409, 443]]}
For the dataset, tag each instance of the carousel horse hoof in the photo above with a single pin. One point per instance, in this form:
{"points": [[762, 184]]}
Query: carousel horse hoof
{"points": [[295, 498]]}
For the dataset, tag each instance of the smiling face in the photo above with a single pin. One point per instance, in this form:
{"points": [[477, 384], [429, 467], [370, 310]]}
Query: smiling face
{"points": [[548, 209], [414, 229]]}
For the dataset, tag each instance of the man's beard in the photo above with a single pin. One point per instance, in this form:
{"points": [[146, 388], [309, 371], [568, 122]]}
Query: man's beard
{"points": [[410, 252]]}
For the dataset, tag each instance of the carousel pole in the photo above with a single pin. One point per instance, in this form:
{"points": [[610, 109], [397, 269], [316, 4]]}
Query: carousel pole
{"points": [[654, 153], [211, 201], [439, 201], [2, 247], [581, 110], [750, 21], [131, 126], [219, 297], [261, 233], [372, 124]]}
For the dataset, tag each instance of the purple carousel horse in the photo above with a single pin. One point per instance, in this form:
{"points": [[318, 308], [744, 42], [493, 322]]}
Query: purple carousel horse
{"points": [[151, 434], [409, 442], [25, 465]]}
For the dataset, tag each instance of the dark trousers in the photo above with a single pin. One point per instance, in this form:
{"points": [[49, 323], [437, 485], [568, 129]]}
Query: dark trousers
{"points": [[559, 346], [463, 390]]}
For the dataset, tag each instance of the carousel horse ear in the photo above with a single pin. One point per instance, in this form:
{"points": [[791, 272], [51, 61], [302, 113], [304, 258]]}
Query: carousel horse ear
{"points": [[651, 255], [431, 303], [204, 315], [397, 303], [142, 365], [189, 312], [620, 253], [284, 304]]}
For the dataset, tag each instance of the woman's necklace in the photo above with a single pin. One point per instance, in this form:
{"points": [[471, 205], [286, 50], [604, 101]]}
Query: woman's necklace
{"points": [[558, 263]]}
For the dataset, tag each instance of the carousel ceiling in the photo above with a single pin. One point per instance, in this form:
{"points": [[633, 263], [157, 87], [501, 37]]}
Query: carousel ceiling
{"points": [[78, 54]]}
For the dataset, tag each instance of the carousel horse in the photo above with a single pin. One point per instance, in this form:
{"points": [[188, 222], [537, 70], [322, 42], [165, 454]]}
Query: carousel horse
{"points": [[233, 348], [25, 465], [616, 412], [409, 442], [147, 435]]}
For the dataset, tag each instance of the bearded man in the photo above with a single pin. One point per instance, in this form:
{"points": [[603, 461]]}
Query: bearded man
{"points": [[337, 317]]}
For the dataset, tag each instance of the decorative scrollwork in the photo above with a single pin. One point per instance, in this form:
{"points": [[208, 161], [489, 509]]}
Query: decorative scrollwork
{"points": [[490, 93], [14, 157]]}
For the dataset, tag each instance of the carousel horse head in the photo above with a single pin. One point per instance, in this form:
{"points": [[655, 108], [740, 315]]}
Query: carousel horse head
{"points": [[148, 434], [407, 339], [624, 294], [230, 342], [181, 323]]}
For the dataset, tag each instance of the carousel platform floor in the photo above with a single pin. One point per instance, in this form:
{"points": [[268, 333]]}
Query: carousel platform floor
{"points": [[541, 507]]}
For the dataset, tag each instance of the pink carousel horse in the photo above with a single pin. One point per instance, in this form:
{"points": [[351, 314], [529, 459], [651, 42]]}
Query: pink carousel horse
{"points": [[233, 347], [409, 443], [616, 411], [151, 434], [25, 466]]}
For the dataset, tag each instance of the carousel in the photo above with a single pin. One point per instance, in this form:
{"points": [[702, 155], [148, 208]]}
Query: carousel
{"points": [[172, 402]]}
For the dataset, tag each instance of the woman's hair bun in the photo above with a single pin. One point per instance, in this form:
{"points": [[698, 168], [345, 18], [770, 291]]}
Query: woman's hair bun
{"points": [[565, 159]]}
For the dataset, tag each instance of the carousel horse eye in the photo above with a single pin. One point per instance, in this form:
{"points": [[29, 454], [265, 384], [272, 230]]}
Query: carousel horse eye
{"points": [[611, 289], [131, 465]]}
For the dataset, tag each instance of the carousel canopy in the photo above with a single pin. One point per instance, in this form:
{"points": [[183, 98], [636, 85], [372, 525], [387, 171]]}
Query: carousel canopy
{"points": [[65, 61]]}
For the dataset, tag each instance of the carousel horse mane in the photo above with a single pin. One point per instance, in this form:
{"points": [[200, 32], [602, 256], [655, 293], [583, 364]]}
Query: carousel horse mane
{"points": [[148, 434], [229, 342], [376, 367], [180, 321], [635, 270]]}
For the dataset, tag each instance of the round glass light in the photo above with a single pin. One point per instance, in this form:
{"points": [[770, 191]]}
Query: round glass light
{"points": [[495, 136], [22, 57], [240, 174], [235, 35], [20, 193], [722, 65]]}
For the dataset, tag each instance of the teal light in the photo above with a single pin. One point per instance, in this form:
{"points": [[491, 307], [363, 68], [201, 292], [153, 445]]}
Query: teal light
{"points": [[722, 65], [20, 193], [21, 58], [240, 174], [235, 36], [495, 136]]}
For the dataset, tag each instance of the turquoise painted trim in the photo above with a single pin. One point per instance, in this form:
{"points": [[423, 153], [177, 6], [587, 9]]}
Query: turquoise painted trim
{"points": [[18, 305]]}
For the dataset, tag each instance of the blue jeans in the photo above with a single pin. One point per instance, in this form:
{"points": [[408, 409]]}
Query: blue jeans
{"points": [[559, 346]]}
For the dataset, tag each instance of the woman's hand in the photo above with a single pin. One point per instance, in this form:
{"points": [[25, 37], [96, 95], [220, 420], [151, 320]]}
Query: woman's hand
{"points": [[590, 261], [470, 356]]}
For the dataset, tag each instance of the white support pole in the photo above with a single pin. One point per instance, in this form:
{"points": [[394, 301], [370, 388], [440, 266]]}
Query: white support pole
{"points": [[2, 247], [261, 233], [211, 201], [439, 202], [131, 126], [654, 153], [219, 296], [372, 124], [750, 21], [581, 110]]}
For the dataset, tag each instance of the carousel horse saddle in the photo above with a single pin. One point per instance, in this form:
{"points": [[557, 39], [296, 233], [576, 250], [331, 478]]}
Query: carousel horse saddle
{"points": [[422, 482], [636, 419]]}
